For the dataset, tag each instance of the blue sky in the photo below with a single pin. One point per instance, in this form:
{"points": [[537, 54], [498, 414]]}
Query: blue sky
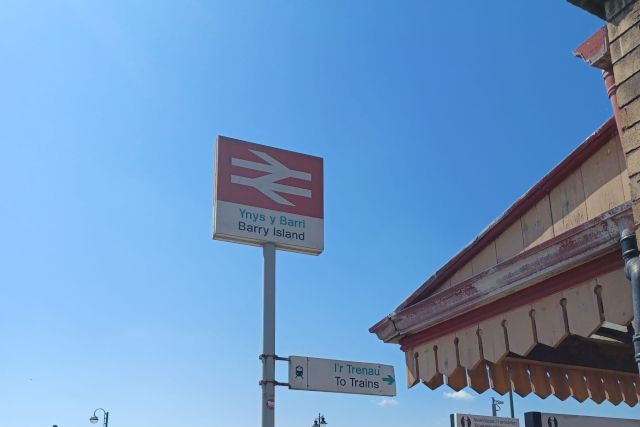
{"points": [[432, 118]]}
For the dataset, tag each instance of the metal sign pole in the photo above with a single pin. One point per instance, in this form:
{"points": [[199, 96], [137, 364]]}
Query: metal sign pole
{"points": [[511, 403], [269, 335], [510, 392], [245, 211]]}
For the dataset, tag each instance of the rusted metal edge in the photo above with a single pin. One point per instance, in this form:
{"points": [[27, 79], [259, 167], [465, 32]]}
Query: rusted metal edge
{"points": [[595, 50]]}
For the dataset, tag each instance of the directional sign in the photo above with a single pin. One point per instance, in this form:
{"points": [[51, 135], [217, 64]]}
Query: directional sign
{"points": [[341, 376], [471, 420], [538, 419], [264, 194]]}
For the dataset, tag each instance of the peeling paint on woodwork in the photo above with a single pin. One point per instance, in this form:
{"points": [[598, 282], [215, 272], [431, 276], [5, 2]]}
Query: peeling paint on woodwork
{"points": [[578, 246]]}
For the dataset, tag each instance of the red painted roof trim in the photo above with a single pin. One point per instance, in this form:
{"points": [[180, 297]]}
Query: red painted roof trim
{"points": [[558, 174], [590, 270], [567, 166], [594, 239]]}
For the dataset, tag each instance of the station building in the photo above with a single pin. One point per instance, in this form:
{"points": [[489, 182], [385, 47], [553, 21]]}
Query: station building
{"points": [[539, 302]]}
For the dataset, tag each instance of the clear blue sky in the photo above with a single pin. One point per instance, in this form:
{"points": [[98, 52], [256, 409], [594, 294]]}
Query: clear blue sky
{"points": [[432, 118]]}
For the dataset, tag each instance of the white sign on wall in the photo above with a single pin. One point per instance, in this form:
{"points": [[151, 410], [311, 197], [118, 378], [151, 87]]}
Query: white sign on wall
{"points": [[540, 419], [471, 420], [341, 376]]}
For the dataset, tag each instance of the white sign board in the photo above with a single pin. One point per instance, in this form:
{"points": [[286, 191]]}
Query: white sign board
{"points": [[341, 376], [539, 419], [470, 420], [267, 195]]}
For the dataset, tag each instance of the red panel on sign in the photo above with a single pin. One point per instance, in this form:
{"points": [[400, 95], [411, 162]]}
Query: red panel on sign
{"points": [[270, 178]]}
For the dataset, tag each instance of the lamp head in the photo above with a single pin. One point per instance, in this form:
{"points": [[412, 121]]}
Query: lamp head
{"points": [[93, 419]]}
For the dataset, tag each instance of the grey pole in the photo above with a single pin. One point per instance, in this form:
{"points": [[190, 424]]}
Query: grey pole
{"points": [[511, 402], [510, 392], [105, 417], [630, 254], [269, 335]]}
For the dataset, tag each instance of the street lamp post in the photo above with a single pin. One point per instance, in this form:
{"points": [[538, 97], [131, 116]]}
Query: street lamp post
{"points": [[495, 406], [319, 422], [105, 417]]}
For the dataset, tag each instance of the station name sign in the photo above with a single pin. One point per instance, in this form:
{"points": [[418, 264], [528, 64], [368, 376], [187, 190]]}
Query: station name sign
{"points": [[268, 195], [341, 376]]}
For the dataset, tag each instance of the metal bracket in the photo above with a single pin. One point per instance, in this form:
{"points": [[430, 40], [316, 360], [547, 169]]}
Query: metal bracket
{"points": [[274, 356], [275, 383]]}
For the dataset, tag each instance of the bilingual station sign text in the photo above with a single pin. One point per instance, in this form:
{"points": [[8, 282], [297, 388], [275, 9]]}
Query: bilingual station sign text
{"points": [[341, 376], [264, 194]]}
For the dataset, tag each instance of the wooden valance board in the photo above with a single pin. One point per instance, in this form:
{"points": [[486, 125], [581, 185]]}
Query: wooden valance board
{"points": [[572, 343]]}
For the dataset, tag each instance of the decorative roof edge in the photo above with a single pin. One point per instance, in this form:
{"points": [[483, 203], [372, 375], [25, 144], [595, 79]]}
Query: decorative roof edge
{"points": [[386, 328]]}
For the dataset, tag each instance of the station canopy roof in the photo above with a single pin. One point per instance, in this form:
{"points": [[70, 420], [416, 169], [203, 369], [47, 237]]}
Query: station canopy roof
{"points": [[538, 302]]}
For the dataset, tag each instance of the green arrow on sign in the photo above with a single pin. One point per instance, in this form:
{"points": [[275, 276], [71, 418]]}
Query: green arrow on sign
{"points": [[388, 379]]}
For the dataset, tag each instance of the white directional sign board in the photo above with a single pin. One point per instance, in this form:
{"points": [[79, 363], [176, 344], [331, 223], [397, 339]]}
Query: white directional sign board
{"points": [[470, 420], [540, 419], [267, 195], [341, 376]]}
